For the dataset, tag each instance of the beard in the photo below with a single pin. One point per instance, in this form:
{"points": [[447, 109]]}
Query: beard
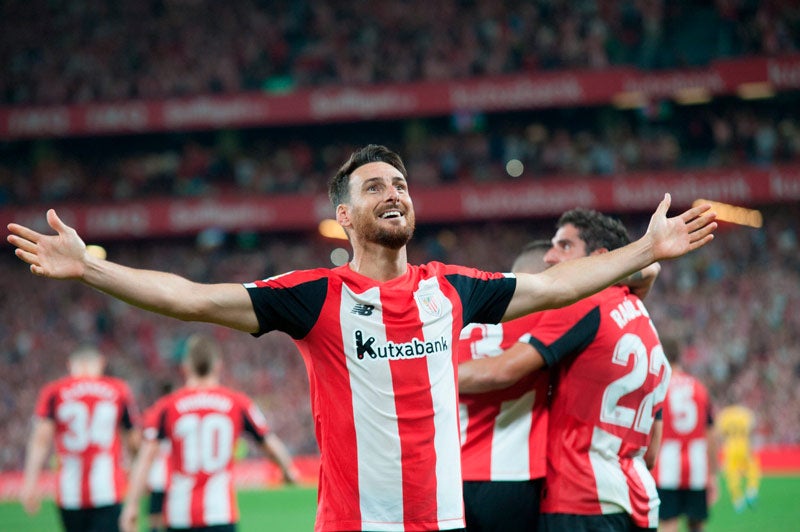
{"points": [[393, 237]]}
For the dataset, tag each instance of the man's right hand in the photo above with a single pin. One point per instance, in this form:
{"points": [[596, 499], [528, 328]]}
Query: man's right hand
{"points": [[60, 256]]}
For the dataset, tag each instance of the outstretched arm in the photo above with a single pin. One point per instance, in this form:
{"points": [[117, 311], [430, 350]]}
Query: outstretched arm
{"points": [[64, 256], [38, 448], [569, 281], [495, 373]]}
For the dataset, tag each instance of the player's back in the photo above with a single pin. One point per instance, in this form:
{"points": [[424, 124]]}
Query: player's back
{"points": [[202, 426], [683, 456], [88, 413], [735, 423], [603, 406]]}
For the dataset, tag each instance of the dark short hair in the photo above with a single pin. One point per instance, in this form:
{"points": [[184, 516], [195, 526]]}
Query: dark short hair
{"points": [[339, 185], [202, 353], [597, 230]]}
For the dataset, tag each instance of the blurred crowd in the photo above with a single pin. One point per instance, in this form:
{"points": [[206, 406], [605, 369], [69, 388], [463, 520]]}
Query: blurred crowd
{"points": [[591, 142], [736, 304], [74, 51], [78, 51]]}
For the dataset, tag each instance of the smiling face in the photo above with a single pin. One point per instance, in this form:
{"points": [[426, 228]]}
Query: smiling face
{"points": [[380, 209]]}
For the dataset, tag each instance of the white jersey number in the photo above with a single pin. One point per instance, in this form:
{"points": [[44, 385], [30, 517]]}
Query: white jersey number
{"points": [[207, 442], [88, 427], [683, 408], [640, 419]]}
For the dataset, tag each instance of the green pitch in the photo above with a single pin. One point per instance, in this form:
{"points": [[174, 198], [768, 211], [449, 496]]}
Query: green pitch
{"points": [[292, 510]]}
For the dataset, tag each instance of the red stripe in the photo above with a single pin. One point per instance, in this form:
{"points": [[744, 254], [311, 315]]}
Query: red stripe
{"points": [[636, 492], [338, 492], [414, 407]]}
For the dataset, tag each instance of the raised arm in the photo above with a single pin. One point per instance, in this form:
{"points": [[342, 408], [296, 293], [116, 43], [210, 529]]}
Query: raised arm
{"points": [[569, 281], [64, 256]]}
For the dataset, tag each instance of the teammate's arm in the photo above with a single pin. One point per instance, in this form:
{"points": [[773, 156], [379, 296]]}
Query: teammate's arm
{"points": [[133, 439], [278, 453], [495, 373], [37, 451], [572, 280], [64, 256], [136, 485], [651, 455], [642, 281]]}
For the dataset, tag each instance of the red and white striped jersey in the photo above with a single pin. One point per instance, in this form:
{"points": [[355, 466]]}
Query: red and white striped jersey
{"points": [[381, 363], [88, 413], [202, 426], [603, 406], [683, 457], [157, 476], [503, 432]]}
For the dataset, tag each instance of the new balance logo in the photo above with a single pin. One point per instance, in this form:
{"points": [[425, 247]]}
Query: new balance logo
{"points": [[363, 310], [413, 349]]}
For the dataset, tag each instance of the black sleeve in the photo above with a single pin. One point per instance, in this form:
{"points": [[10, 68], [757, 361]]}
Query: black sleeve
{"points": [[125, 419], [293, 310], [575, 340], [251, 429], [484, 300]]}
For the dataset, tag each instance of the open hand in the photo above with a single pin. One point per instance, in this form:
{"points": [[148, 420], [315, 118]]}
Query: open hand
{"points": [[60, 256], [676, 236]]}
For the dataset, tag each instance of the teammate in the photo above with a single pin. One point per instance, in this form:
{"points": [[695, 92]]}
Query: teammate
{"points": [[503, 432], [85, 413], [686, 470], [377, 335], [157, 479], [609, 375], [735, 425], [202, 422]]}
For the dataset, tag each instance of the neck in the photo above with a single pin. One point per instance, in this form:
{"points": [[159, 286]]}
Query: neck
{"points": [[209, 381], [379, 263]]}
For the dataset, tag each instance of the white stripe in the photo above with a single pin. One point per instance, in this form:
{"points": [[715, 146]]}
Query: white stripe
{"points": [[463, 415], [101, 481], [216, 499], [649, 485], [698, 464], [441, 372], [669, 464], [179, 501], [612, 486], [375, 418], [70, 482], [511, 439]]}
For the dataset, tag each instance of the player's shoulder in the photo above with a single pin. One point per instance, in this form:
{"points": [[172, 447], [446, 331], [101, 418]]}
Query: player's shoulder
{"points": [[295, 277], [117, 383], [51, 389], [434, 268]]}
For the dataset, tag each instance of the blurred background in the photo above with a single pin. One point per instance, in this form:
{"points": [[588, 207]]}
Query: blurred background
{"points": [[197, 136]]}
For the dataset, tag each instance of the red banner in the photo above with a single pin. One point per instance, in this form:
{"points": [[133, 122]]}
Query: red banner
{"points": [[525, 91], [261, 473], [531, 198]]}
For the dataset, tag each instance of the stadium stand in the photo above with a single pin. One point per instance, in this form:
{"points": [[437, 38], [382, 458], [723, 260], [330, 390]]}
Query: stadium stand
{"points": [[745, 352]]}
